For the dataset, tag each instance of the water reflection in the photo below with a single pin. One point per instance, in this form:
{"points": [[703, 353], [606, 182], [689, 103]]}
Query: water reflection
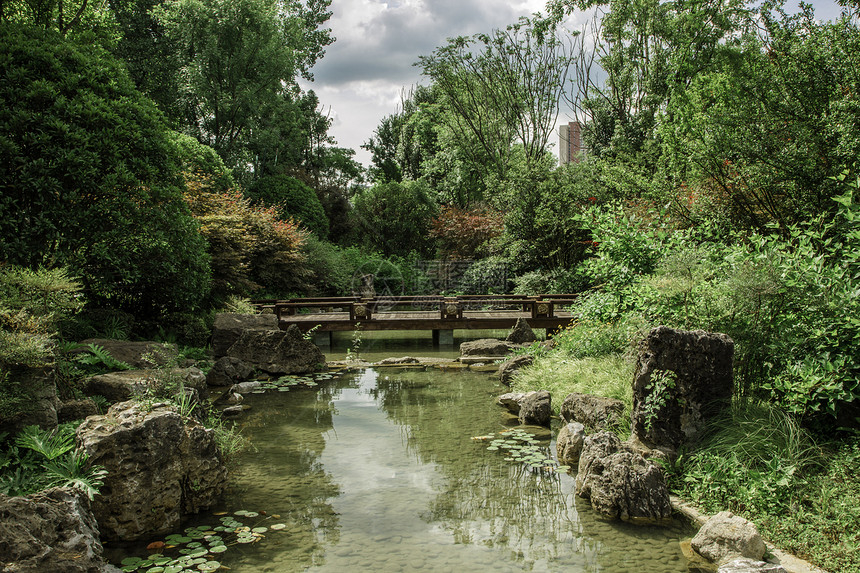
{"points": [[377, 472]]}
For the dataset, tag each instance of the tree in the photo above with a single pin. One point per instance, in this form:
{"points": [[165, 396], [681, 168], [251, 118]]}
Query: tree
{"points": [[507, 92], [89, 178], [238, 57], [762, 136], [291, 198], [395, 217]]}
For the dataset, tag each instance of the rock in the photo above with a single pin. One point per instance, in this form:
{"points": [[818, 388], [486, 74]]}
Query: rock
{"points": [[682, 380], [513, 365], [227, 371], [521, 333], [395, 361], [727, 536], [228, 328], [76, 410], [596, 413], [138, 355], [484, 347], [160, 468], [511, 401], [278, 351], [122, 386], [53, 531], [620, 484], [750, 566], [232, 411], [244, 387], [536, 408], [42, 401], [569, 442]]}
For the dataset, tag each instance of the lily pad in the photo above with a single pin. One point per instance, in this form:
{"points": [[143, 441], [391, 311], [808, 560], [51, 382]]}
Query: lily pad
{"points": [[277, 526], [218, 549], [209, 566]]}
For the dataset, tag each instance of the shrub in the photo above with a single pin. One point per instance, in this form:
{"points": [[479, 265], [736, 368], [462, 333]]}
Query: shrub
{"points": [[464, 233], [492, 275], [394, 218], [291, 198], [250, 247], [89, 177]]}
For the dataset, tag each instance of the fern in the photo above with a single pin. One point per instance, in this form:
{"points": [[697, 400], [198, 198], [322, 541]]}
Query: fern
{"points": [[50, 444]]}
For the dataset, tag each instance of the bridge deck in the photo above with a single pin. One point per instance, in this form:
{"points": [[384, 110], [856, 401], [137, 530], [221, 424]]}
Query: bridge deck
{"points": [[434, 312], [422, 320]]}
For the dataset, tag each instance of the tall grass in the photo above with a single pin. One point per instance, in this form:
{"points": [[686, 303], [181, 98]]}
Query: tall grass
{"points": [[560, 374]]}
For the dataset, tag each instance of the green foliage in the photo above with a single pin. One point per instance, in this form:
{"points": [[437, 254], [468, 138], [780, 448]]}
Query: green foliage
{"points": [[291, 198], [197, 158], [89, 178], [492, 275], [40, 459], [560, 374], [97, 356], [394, 218]]}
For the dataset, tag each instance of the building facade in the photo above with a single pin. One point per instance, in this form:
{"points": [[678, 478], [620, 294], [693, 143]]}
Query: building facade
{"points": [[570, 143]]}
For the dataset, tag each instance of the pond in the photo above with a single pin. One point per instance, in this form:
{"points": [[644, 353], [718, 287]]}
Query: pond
{"points": [[376, 470]]}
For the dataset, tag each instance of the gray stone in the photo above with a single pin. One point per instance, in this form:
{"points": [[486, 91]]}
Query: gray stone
{"points": [[228, 328], [227, 371], [510, 367], [53, 531], [396, 361], [750, 566], [138, 355], [244, 387], [536, 408], [160, 468], [278, 351], [569, 442], [521, 333], [620, 484], [512, 401], [596, 413], [727, 536], [485, 347], [123, 385], [682, 380], [233, 411], [42, 404], [76, 410]]}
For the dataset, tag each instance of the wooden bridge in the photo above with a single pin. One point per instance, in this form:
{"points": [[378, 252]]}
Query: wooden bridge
{"points": [[440, 314]]}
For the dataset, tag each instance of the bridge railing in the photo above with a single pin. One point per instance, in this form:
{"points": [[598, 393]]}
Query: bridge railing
{"points": [[449, 307]]}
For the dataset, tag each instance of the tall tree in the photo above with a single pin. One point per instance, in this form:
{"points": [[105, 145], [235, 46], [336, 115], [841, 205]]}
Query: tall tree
{"points": [[238, 57], [503, 88]]}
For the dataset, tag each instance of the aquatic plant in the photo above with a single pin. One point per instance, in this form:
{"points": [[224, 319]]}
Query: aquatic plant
{"points": [[196, 548], [520, 446]]}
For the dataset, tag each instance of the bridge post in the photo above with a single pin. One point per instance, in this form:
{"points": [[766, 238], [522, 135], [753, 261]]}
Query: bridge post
{"points": [[443, 337], [323, 339]]}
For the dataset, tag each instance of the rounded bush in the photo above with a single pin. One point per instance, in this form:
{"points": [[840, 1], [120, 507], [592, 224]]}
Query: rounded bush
{"points": [[89, 178], [291, 198]]}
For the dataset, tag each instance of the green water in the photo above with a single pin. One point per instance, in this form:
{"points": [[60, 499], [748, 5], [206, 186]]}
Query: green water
{"points": [[376, 471], [374, 346]]}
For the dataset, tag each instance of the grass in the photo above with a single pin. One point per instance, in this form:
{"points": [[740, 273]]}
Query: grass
{"points": [[560, 374]]}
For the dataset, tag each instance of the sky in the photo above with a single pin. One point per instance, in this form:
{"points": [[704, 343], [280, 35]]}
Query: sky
{"points": [[369, 67]]}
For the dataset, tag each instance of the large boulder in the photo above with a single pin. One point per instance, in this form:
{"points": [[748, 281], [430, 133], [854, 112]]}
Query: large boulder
{"points": [[750, 566], [71, 410], [727, 536], [42, 403], [53, 531], [160, 468], [485, 347], [227, 371], [596, 413], [123, 385], [138, 354], [522, 333], [536, 408], [228, 327], [682, 380], [278, 351], [510, 367], [620, 484], [569, 442]]}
